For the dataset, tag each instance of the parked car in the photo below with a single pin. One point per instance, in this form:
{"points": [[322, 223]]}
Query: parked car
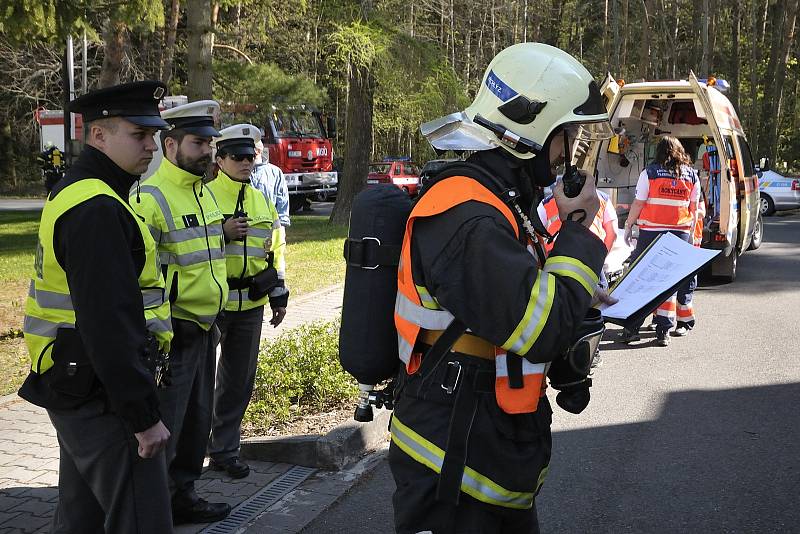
{"points": [[777, 192], [432, 168], [400, 172]]}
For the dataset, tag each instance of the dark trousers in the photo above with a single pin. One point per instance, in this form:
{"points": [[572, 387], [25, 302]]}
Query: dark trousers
{"points": [[513, 451], [103, 484], [665, 318], [417, 510], [236, 374], [186, 403]]}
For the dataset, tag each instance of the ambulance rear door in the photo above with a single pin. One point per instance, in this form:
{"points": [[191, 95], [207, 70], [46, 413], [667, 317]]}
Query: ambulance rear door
{"points": [[721, 191]]}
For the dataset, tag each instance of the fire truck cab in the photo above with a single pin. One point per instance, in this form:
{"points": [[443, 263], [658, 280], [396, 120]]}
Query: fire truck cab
{"points": [[704, 120], [300, 144]]}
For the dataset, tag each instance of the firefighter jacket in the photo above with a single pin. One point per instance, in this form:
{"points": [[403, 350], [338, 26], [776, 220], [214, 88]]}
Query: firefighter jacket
{"points": [[261, 250], [552, 222], [669, 199], [186, 224], [96, 293], [464, 256]]}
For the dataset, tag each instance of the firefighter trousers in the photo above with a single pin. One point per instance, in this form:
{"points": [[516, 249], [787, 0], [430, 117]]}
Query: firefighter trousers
{"points": [[507, 455]]}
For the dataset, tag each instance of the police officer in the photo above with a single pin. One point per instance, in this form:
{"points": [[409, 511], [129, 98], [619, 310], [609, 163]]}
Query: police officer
{"points": [[95, 318], [667, 195], [471, 427], [254, 256], [187, 225]]}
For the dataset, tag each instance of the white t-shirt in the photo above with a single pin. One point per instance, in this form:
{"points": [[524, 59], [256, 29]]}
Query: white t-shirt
{"points": [[643, 188]]}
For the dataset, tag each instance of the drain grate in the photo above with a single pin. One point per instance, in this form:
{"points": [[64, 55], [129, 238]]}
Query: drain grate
{"points": [[260, 501]]}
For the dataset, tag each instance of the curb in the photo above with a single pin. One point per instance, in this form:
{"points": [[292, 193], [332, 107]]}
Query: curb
{"points": [[341, 446]]}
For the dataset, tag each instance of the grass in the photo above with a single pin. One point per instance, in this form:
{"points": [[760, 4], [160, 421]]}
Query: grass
{"points": [[313, 254], [313, 260]]}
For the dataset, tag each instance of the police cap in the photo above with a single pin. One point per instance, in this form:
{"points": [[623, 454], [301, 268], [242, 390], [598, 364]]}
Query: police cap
{"points": [[238, 139], [136, 102], [196, 118]]}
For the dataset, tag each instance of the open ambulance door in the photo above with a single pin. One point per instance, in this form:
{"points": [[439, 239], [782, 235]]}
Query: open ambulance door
{"points": [[609, 90], [721, 189]]}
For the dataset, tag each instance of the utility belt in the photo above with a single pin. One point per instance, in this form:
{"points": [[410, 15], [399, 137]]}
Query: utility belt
{"points": [[259, 285]]}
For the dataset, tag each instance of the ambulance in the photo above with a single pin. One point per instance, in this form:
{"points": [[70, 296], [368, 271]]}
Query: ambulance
{"points": [[704, 120]]}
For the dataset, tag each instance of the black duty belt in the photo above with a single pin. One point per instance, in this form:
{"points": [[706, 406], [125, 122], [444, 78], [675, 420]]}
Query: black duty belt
{"points": [[240, 283]]}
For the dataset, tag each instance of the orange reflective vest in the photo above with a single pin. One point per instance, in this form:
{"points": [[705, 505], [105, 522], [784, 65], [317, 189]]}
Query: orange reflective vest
{"points": [[668, 200], [416, 309], [553, 222]]}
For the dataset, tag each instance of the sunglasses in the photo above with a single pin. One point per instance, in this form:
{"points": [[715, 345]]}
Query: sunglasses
{"points": [[242, 157]]}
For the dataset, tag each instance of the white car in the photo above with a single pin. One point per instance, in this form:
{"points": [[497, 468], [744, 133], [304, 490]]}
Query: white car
{"points": [[778, 192]]}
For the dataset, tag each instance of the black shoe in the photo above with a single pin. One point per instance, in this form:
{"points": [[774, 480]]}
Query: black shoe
{"points": [[662, 338], [629, 336], [187, 510], [233, 466]]}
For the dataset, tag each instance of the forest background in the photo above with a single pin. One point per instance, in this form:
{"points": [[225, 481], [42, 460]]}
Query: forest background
{"points": [[382, 67]]}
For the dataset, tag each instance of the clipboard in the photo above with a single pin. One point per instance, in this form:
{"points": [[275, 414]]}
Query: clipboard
{"points": [[648, 307]]}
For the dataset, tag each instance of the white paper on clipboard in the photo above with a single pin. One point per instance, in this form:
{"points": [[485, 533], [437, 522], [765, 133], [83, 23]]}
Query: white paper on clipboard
{"points": [[668, 261]]}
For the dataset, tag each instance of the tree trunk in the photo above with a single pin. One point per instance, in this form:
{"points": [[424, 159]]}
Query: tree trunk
{"points": [[170, 33], [704, 40], [735, 28], [783, 26], [358, 142], [200, 42], [114, 38], [644, 45]]}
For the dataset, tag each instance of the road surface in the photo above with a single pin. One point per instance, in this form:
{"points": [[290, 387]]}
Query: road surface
{"points": [[701, 436]]}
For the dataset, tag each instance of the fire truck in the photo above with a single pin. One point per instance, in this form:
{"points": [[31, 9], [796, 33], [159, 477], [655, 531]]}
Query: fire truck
{"points": [[300, 144]]}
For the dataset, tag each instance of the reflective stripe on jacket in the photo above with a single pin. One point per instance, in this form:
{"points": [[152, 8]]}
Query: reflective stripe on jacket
{"points": [[49, 305], [186, 223], [668, 200], [249, 257], [416, 308], [553, 222]]}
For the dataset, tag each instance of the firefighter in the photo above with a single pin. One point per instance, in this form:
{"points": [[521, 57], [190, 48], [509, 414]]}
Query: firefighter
{"points": [[187, 225], [667, 195], [256, 270], [603, 226], [471, 429], [96, 317]]}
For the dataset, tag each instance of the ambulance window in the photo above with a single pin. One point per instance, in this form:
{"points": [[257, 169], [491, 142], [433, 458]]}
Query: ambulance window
{"points": [[398, 168], [729, 147], [747, 157]]}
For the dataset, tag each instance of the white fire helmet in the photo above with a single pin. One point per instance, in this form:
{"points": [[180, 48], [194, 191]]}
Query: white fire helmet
{"points": [[528, 90]]}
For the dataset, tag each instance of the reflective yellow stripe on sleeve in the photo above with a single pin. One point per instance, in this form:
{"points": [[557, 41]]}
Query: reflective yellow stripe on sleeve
{"points": [[473, 483], [536, 313], [428, 300], [572, 268]]}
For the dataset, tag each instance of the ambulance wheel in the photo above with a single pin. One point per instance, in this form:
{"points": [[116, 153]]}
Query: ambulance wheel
{"points": [[758, 234], [724, 268], [766, 206]]}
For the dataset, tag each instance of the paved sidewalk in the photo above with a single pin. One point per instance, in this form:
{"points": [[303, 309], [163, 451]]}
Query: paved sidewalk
{"points": [[324, 304], [275, 497]]}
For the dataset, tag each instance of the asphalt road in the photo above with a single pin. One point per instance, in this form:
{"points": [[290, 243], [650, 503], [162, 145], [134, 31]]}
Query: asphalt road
{"points": [[701, 436]]}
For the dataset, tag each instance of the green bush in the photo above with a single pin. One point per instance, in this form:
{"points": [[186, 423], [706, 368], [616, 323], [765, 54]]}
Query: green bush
{"points": [[299, 373]]}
